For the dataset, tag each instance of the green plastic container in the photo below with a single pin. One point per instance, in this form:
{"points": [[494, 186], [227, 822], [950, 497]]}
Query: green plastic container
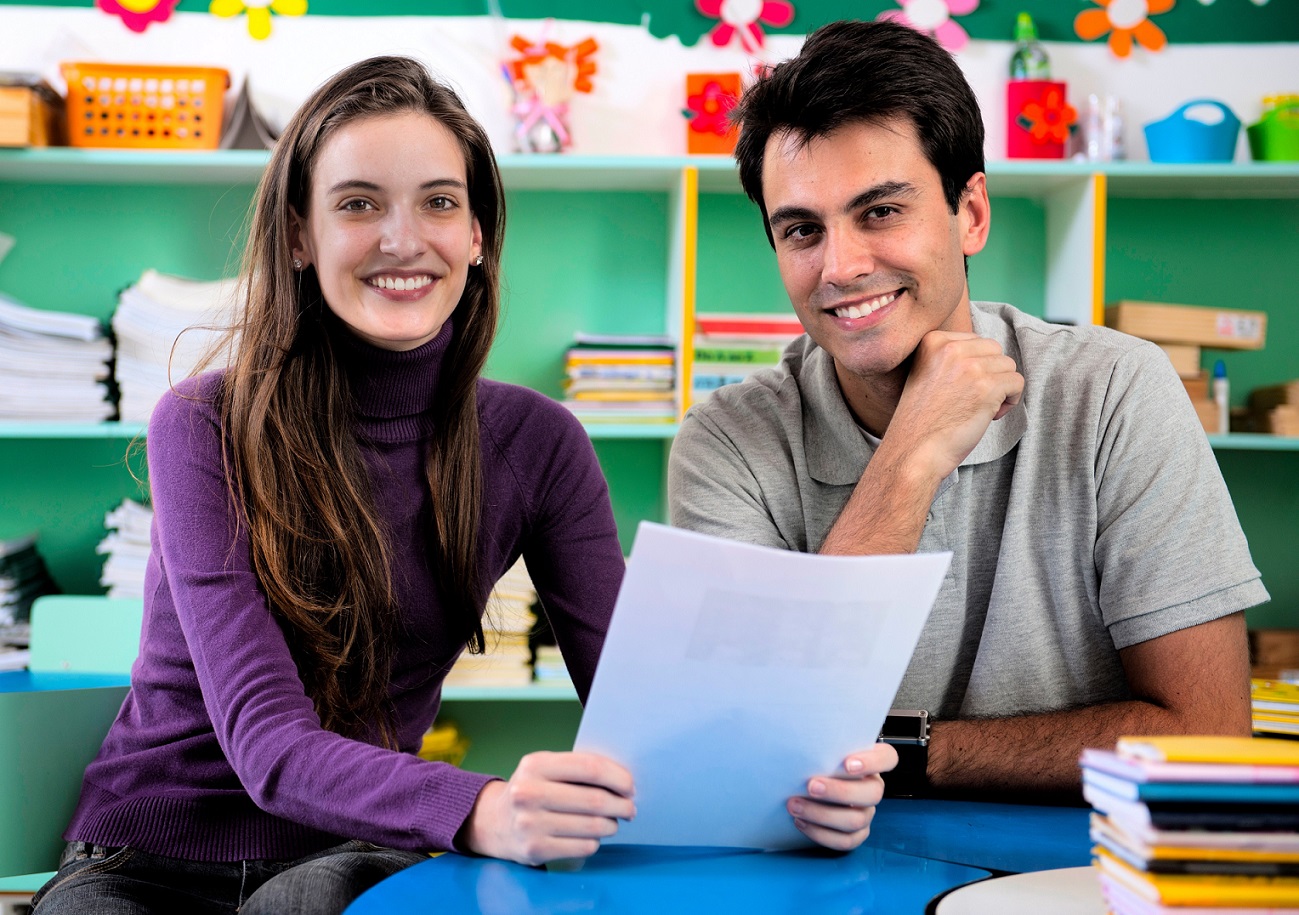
{"points": [[1275, 138]]}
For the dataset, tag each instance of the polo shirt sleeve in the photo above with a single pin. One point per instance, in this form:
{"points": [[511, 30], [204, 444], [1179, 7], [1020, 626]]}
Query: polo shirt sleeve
{"points": [[713, 490], [1169, 552]]}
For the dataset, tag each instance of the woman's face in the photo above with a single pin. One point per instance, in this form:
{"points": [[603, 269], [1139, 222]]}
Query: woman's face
{"points": [[388, 227]]}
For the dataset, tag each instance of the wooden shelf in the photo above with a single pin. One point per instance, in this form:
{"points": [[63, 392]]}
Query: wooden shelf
{"points": [[1012, 178], [532, 693]]}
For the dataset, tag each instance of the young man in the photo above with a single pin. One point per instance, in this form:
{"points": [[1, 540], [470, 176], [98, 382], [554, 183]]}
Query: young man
{"points": [[1099, 574]]}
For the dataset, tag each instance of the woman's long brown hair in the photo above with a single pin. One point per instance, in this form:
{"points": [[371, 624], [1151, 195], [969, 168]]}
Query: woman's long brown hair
{"points": [[319, 547]]}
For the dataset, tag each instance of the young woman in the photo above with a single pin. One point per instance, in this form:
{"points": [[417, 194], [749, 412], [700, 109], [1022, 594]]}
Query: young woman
{"points": [[330, 515]]}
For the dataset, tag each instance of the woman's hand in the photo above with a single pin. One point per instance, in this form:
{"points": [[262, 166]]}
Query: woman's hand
{"points": [[555, 805], [838, 809]]}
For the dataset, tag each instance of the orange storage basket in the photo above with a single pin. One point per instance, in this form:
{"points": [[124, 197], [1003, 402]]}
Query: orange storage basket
{"points": [[139, 106]]}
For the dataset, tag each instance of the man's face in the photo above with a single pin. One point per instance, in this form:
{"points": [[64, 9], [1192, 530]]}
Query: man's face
{"points": [[870, 254]]}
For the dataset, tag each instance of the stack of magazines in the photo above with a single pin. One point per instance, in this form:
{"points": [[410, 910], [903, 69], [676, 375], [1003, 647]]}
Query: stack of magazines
{"points": [[731, 347], [1195, 823], [506, 625], [126, 549], [613, 378], [23, 578], [165, 327], [54, 366], [1275, 708]]}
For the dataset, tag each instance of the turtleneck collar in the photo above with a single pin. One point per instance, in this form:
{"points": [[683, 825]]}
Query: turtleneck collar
{"points": [[394, 391]]}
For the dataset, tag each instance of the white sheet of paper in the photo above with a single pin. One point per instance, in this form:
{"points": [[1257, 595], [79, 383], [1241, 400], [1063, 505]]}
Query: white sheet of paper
{"points": [[732, 674]]}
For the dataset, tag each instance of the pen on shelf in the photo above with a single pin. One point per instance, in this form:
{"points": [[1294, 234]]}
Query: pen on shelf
{"points": [[1222, 397]]}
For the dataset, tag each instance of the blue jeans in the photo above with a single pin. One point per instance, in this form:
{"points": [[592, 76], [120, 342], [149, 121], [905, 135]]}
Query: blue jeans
{"points": [[127, 881]]}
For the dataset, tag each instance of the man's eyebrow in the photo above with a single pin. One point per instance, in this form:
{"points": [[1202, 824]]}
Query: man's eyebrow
{"points": [[888, 190], [356, 184]]}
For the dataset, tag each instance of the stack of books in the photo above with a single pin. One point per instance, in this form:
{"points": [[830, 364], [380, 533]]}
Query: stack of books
{"points": [[1195, 824], [165, 327], [614, 378], [506, 625], [549, 668], [1275, 707], [127, 549], [54, 366], [23, 578], [731, 347]]}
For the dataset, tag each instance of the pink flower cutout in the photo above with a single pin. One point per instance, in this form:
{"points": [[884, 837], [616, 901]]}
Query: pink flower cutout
{"points": [[138, 14], [709, 111], [743, 18], [934, 17]]}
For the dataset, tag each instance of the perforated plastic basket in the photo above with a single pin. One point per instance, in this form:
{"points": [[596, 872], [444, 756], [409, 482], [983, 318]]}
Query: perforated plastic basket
{"points": [[141, 106]]}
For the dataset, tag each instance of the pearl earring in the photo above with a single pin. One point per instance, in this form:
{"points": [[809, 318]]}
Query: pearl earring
{"points": [[478, 261], [297, 263]]}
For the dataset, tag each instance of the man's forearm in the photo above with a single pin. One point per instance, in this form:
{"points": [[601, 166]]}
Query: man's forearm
{"points": [[1040, 752], [886, 512]]}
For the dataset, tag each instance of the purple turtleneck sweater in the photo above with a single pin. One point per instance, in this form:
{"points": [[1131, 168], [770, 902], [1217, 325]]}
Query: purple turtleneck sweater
{"points": [[217, 754]]}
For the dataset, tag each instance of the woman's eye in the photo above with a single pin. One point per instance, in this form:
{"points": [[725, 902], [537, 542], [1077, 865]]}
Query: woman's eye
{"points": [[356, 205], [442, 203]]}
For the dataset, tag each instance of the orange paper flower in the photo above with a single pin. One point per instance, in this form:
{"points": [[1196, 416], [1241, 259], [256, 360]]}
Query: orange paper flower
{"points": [[1048, 120], [1124, 21], [577, 60]]}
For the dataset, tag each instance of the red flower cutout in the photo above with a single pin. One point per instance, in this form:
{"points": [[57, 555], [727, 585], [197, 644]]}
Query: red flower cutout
{"points": [[743, 17], [1048, 120], [708, 110]]}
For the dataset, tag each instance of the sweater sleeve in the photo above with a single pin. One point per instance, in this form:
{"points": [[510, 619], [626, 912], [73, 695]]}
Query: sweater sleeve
{"points": [[263, 720], [571, 546]]}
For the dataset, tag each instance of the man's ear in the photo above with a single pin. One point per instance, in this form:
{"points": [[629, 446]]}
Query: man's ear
{"points": [[975, 215], [299, 244]]}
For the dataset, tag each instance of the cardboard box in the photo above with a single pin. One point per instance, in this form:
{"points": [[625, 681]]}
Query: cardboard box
{"points": [[1185, 358], [30, 116], [1274, 647], [1220, 328]]}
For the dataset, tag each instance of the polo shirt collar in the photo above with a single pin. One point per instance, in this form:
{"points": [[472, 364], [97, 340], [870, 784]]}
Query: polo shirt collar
{"points": [[837, 452]]}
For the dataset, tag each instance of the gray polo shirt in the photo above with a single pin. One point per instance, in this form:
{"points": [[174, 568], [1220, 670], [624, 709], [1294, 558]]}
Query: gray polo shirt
{"points": [[1091, 517]]}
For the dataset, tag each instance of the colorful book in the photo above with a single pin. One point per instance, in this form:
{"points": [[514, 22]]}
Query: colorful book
{"points": [[1201, 889], [1192, 791], [1231, 816], [1145, 770], [748, 325], [1257, 751], [1197, 845], [1123, 901]]}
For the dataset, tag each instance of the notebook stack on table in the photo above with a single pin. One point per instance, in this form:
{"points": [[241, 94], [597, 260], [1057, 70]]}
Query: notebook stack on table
{"points": [[1275, 708], [1189, 825]]}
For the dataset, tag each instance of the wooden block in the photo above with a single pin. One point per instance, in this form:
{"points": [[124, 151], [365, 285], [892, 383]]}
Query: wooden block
{"points": [[1197, 387], [1220, 328], [1274, 647], [1274, 395], [1207, 411], [1185, 358], [28, 118]]}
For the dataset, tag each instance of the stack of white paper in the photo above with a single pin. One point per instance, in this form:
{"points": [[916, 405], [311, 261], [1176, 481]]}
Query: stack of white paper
{"points": [[53, 365], [165, 326], [127, 549], [509, 619], [23, 578]]}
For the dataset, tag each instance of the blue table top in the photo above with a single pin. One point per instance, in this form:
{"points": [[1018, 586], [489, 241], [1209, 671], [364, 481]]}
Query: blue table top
{"points": [[1014, 838], [640, 879], [24, 681]]}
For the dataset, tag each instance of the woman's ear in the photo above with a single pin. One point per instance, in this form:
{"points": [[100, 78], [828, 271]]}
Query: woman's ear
{"points": [[476, 248], [299, 243]]}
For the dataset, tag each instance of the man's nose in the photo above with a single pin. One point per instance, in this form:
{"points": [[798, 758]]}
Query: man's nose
{"points": [[845, 258]]}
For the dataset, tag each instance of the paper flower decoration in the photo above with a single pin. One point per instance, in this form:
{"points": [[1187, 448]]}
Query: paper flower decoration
{"points": [[545, 76], [259, 12], [137, 14], [934, 17], [1049, 120], [743, 18], [1124, 20]]}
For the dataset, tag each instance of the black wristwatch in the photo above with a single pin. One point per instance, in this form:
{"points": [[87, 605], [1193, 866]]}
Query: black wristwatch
{"points": [[908, 731]]}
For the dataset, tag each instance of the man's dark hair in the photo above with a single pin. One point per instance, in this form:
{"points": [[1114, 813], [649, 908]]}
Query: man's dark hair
{"points": [[872, 72]]}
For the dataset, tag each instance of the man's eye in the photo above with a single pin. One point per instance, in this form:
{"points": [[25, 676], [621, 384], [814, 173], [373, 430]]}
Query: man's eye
{"points": [[802, 230], [881, 212]]}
